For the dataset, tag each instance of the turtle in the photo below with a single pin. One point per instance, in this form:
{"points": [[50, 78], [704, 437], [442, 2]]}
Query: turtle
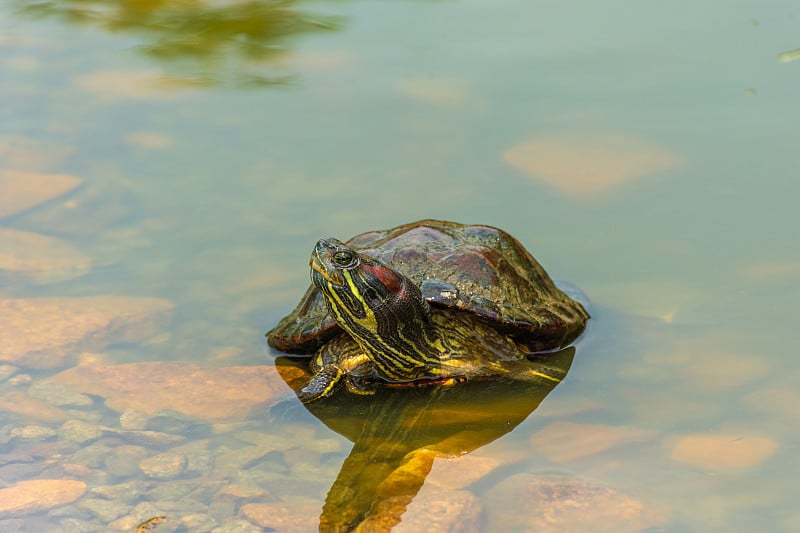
{"points": [[426, 303]]}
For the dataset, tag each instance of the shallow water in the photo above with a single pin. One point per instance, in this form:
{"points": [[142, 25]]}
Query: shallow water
{"points": [[646, 153]]}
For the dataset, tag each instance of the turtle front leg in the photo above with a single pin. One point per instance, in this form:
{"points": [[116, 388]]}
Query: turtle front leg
{"points": [[339, 364], [323, 384]]}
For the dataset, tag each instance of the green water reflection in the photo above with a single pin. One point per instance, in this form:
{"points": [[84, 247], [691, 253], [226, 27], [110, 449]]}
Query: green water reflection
{"points": [[397, 434], [223, 41]]}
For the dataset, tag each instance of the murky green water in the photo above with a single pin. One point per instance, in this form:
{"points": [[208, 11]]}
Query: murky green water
{"points": [[647, 152]]}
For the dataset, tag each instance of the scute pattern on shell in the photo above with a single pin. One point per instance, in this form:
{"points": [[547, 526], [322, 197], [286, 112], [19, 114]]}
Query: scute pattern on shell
{"points": [[478, 269]]}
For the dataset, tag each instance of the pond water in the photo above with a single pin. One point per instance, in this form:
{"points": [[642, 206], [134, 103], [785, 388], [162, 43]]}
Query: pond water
{"points": [[166, 167]]}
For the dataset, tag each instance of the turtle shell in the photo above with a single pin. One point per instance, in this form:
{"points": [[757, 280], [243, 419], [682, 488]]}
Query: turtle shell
{"points": [[473, 268]]}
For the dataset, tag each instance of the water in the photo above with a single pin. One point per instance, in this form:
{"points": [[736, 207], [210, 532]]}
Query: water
{"points": [[645, 152]]}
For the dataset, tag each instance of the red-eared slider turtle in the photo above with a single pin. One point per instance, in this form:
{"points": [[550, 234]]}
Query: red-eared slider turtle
{"points": [[426, 303]]}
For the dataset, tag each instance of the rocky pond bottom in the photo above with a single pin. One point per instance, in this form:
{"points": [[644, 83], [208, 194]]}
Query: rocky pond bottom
{"points": [[107, 447]]}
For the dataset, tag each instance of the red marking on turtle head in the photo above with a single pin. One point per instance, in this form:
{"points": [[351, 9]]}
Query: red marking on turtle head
{"points": [[388, 277]]}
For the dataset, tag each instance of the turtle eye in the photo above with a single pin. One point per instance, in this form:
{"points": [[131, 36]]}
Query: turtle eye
{"points": [[343, 258]]}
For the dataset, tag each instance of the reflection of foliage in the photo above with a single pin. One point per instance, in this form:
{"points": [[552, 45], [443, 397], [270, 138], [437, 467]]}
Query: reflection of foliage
{"points": [[205, 32]]}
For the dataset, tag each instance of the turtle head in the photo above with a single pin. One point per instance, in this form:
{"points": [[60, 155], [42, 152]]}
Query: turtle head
{"points": [[357, 286], [338, 269], [380, 308]]}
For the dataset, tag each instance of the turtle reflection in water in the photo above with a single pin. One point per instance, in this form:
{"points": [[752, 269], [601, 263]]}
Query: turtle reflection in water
{"points": [[426, 303], [398, 434]]}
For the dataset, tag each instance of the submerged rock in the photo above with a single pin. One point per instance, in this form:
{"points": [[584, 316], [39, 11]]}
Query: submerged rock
{"points": [[581, 164], [127, 492], [190, 389], [721, 451], [289, 517], [123, 461], [165, 465], [6, 371], [564, 504], [79, 431], [460, 472], [242, 526], [57, 394], [105, 510], [35, 495], [39, 258], [33, 432], [30, 408], [563, 442], [133, 420], [49, 332], [144, 437], [20, 190], [434, 511]]}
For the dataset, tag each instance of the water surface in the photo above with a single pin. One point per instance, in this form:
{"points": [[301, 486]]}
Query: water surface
{"points": [[646, 152]]}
